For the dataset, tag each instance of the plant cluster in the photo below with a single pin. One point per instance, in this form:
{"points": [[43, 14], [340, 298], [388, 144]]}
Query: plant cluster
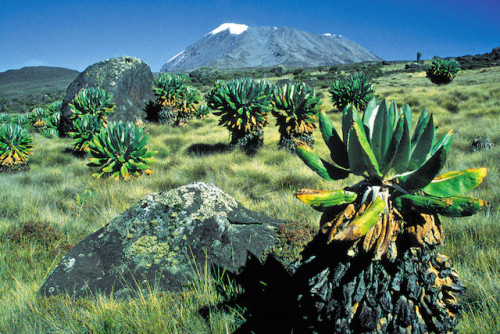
{"points": [[354, 89], [443, 71], [15, 145], [119, 151], [296, 107], [243, 106], [94, 101]]}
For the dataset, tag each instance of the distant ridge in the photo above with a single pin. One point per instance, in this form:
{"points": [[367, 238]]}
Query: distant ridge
{"points": [[37, 73], [234, 45]]}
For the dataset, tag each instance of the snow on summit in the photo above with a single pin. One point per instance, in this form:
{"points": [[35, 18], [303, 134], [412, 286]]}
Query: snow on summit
{"points": [[234, 28]]}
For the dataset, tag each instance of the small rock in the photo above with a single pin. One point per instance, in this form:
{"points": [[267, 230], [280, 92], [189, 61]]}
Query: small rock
{"points": [[481, 143]]}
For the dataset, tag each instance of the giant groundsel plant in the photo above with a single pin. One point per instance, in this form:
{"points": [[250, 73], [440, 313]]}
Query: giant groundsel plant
{"points": [[390, 219]]}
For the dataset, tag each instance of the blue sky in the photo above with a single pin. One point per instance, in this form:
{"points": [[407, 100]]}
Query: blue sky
{"points": [[76, 34]]}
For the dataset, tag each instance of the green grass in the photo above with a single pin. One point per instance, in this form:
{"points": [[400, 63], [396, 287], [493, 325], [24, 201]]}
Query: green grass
{"points": [[40, 217]]}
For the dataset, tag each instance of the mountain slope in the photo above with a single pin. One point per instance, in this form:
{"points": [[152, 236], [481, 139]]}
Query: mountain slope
{"points": [[37, 73], [22, 89], [238, 46]]}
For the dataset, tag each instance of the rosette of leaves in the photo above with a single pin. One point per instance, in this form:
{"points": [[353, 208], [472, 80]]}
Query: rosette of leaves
{"points": [[38, 117], [53, 120], [15, 145], [187, 101], [243, 106], [119, 151], [167, 87], [94, 101], [296, 108], [375, 258], [354, 89], [443, 71], [84, 129], [202, 111], [54, 107]]}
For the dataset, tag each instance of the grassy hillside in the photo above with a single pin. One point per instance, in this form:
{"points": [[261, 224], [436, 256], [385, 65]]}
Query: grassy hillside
{"points": [[41, 219], [23, 89]]}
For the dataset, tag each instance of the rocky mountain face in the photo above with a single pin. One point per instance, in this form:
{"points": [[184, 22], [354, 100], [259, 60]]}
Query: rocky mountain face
{"points": [[238, 46]]}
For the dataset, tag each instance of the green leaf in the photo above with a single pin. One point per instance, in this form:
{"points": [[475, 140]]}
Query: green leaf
{"points": [[361, 156], [387, 161], [382, 131], [322, 168], [350, 114], [455, 183], [422, 176], [422, 123], [408, 115], [338, 150], [423, 146], [323, 199], [360, 226]]}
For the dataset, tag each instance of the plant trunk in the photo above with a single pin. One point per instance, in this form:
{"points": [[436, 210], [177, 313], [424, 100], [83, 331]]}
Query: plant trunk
{"points": [[249, 142], [287, 142], [342, 289]]}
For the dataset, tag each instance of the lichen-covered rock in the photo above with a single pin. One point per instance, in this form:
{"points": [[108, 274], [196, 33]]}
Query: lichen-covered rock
{"points": [[128, 78], [157, 242]]}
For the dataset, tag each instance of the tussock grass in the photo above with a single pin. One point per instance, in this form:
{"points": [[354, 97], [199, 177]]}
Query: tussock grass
{"points": [[59, 195]]}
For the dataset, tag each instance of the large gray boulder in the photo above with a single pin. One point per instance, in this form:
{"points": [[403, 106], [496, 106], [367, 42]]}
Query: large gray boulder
{"points": [[128, 78], [157, 242]]}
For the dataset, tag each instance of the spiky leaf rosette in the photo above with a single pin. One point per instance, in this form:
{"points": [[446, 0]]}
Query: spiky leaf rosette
{"points": [[443, 71], [54, 107], [15, 145], [94, 101], [84, 130], [355, 89], [167, 87], [187, 101], [203, 111], [400, 176], [296, 107], [119, 151], [38, 117], [242, 104]]}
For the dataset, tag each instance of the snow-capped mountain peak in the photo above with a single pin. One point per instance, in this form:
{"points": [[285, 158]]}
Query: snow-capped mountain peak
{"points": [[234, 28]]}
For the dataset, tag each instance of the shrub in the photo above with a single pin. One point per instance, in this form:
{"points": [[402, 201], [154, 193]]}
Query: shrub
{"points": [[15, 145], [443, 71], [354, 89], [295, 107], [94, 101], [119, 151]]}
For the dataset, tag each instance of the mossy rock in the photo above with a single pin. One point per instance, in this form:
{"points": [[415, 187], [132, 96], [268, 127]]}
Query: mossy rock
{"points": [[129, 79], [158, 242]]}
